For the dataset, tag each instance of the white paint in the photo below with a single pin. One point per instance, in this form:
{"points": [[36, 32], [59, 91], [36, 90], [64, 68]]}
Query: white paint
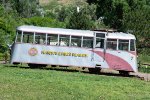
{"points": [[20, 52]]}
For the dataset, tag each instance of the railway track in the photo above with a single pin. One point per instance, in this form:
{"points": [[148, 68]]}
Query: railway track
{"points": [[142, 76]]}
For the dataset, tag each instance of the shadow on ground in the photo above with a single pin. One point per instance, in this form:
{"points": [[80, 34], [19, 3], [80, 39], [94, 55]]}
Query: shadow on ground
{"points": [[70, 69]]}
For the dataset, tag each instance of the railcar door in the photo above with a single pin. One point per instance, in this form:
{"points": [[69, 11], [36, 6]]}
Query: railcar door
{"points": [[99, 48]]}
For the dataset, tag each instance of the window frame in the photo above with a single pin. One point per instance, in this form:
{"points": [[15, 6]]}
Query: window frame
{"points": [[16, 38], [74, 37], [41, 35], [111, 43], [26, 32], [92, 38], [100, 35], [128, 49], [34, 34], [67, 36], [51, 35], [134, 44]]}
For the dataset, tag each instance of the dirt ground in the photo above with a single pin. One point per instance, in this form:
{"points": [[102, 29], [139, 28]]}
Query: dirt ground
{"points": [[142, 76]]}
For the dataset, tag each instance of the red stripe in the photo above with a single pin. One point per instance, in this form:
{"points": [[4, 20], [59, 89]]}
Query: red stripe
{"points": [[115, 62], [133, 53]]}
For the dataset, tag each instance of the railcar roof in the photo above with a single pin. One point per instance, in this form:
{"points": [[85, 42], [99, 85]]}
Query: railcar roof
{"points": [[120, 35], [48, 30], [37, 29]]}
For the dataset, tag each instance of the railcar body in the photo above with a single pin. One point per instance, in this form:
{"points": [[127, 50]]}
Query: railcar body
{"points": [[81, 48]]}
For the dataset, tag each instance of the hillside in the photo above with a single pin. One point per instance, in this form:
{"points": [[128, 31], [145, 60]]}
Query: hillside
{"points": [[65, 2]]}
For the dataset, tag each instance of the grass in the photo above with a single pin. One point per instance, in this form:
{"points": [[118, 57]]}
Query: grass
{"points": [[20, 83]]}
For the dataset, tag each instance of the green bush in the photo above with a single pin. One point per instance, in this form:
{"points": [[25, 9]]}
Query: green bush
{"points": [[44, 21], [1, 56], [144, 51], [80, 20], [143, 55], [144, 69], [4, 56], [143, 58]]}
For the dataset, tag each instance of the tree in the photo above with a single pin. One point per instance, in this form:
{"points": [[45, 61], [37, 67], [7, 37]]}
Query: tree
{"points": [[62, 14], [85, 18], [139, 21], [26, 8], [111, 11], [43, 21], [126, 15], [8, 23], [79, 20]]}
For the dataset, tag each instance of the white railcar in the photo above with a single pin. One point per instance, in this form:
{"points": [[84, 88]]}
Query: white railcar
{"points": [[79, 48]]}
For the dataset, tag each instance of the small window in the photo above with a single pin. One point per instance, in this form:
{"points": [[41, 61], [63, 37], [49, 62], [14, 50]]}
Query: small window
{"points": [[112, 44], [132, 45], [28, 37], [99, 43], [64, 40], [88, 42], [52, 39], [76, 41], [124, 45], [40, 38], [19, 36], [101, 35]]}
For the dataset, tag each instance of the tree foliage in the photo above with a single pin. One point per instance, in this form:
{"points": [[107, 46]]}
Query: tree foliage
{"points": [[126, 15], [43, 21], [26, 8], [139, 22], [14, 13], [79, 20], [94, 14], [8, 24], [111, 11]]}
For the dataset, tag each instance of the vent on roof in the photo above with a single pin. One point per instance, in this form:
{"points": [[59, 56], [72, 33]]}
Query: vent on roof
{"points": [[106, 30]]}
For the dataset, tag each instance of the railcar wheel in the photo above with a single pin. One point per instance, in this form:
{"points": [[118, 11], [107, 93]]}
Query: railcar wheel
{"points": [[36, 65], [94, 70], [124, 73], [53, 66], [32, 65], [15, 63], [43, 65]]}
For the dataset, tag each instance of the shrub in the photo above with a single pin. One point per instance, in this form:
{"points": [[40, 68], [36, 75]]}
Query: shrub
{"points": [[43, 21]]}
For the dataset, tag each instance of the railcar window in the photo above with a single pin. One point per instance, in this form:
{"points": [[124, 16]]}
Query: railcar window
{"points": [[19, 36], [27, 37], [99, 43], [40, 38], [132, 45], [76, 41], [52, 39], [123, 45], [101, 35], [88, 42], [64, 40], [112, 44]]}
